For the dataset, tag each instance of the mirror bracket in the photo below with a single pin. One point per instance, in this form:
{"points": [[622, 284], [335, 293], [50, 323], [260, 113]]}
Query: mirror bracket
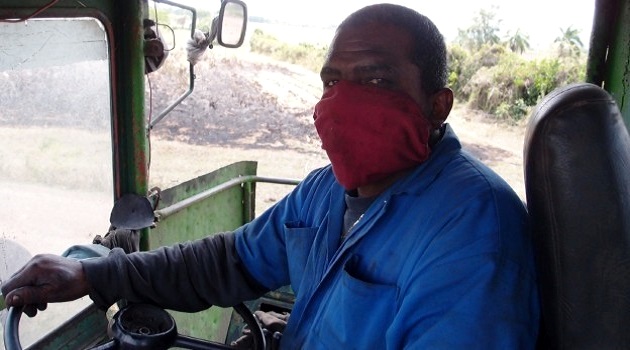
{"points": [[191, 69]]}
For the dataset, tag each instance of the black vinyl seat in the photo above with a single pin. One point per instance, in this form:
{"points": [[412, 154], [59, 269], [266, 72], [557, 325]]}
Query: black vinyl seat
{"points": [[577, 180]]}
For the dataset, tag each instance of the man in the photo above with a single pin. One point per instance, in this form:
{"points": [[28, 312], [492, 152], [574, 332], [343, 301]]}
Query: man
{"points": [[405, 241]]}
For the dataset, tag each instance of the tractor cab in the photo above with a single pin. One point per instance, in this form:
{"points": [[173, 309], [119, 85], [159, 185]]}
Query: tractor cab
{"points": [[83, 96]]}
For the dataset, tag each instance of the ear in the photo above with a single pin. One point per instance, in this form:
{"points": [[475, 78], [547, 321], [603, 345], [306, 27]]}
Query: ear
{"points": [[441, 104]]}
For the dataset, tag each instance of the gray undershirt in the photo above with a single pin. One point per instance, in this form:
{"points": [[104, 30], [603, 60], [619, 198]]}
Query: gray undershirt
{"points": [[355, 207]]}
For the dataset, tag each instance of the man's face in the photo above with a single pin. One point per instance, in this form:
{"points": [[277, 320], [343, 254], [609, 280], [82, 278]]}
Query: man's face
{"points": [[375, 54]]}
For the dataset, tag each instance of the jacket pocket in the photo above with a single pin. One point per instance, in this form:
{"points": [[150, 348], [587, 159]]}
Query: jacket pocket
{"points": [[358, 312], [299, 242]]}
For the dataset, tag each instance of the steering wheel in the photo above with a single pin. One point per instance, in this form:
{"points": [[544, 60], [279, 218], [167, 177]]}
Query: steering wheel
{"points": [[143, 326]]}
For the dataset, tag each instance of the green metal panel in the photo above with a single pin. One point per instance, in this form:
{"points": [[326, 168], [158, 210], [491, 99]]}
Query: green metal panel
{"points": [[129, 128], [130, 138], [83, 331], [223, 211], [609, 54], [617, 81]]}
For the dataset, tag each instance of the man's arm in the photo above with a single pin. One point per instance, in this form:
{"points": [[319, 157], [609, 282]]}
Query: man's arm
{"points": [[475, 288], [188, 277], [481, 302]]}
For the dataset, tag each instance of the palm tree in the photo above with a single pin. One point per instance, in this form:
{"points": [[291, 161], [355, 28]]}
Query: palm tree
{"points": [[518, 42], [569, 43], [483, 31]]}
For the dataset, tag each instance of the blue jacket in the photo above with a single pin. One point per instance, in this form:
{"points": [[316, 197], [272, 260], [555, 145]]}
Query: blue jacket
{"points": [[441, 260]]}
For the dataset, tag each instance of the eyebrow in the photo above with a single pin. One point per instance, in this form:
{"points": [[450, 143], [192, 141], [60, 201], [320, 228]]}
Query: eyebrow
{"points": [[369, 68], [374, 68]]}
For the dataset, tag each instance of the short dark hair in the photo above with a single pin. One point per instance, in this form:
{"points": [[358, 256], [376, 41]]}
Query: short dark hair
{"points": [[429, 48]]}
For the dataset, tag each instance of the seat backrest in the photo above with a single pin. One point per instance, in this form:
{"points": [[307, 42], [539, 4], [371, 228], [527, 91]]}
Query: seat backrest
{"points": [[577, 180]]}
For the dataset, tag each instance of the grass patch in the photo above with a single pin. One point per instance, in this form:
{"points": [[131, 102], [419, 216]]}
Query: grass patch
{"points": [[58, 157]]}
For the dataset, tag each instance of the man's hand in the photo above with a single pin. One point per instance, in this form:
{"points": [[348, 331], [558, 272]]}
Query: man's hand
{"points": [[45, 279], [273, 325]]}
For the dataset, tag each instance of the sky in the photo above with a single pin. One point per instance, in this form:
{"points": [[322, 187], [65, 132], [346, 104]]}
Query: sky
{"points": [[541, 20]]}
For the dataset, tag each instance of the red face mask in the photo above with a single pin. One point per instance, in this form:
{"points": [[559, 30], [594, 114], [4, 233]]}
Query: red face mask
{"points": [[370, 133]]}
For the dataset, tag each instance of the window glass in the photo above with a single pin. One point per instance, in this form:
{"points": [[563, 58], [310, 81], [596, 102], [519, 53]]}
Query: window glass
{"points": [[55, 147]]}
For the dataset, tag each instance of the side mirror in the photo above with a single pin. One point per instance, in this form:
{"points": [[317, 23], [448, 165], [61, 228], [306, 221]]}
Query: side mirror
{"points": [[232, 23]]}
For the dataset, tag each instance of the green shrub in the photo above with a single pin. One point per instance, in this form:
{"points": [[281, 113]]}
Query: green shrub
{"points": [[507, 85], [512, 112], [548, 74], [466, 65], [458, 59]]}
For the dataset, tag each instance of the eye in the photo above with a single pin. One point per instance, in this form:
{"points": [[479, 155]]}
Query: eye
{"points": [[375, 81], [379, 82]]}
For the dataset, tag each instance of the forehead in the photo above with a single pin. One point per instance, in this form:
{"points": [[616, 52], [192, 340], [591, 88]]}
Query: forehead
{"points": [[371, 41]]}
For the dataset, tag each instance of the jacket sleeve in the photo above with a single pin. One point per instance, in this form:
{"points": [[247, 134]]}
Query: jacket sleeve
{"points": [[476, 287], [187, 277]]}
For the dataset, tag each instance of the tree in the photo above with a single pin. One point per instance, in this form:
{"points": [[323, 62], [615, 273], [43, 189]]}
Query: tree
{"points": [[518, 42], [569, 43], [483, 31]]}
